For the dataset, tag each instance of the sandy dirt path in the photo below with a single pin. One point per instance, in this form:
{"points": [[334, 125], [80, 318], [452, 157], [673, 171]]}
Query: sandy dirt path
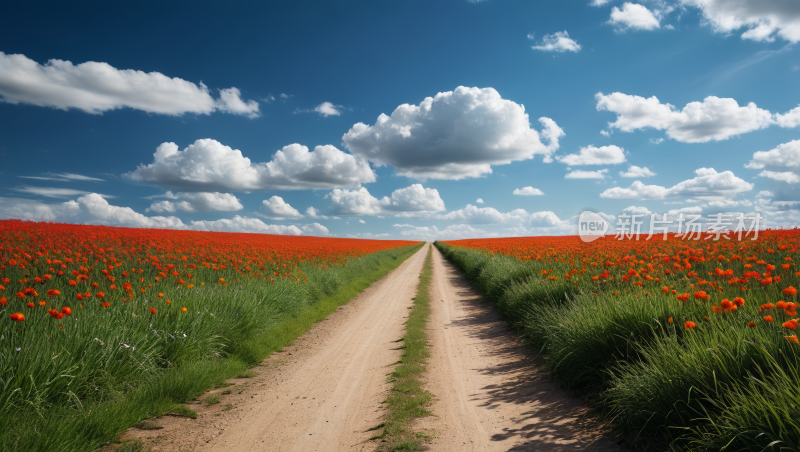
{"points": [[320, 394], [491, 393]]}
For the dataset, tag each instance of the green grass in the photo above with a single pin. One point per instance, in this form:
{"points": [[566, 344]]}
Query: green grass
{"points": [[76, 388], [408, 400], [720, 386]]}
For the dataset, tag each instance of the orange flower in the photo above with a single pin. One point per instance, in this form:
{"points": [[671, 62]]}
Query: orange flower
{"points": [[79, 297], [791, 324], [689, 325], [72, 283], [66, 310], [184, 309], [160, 295], [100, 295], [751, 324], [18, 316], [768, 318], [3, 301], [169, 302], [153, 310], [30, 304], [792, 339], [790, 291], [670, 320]]}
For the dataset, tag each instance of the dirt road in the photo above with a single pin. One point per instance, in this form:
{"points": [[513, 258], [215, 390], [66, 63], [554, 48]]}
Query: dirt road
{"points": [[321, 394], [325, 391], [492, 394]]}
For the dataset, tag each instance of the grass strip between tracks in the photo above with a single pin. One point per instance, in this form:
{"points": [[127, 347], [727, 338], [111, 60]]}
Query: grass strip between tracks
{"points": [[91, 426], [408, 400]]}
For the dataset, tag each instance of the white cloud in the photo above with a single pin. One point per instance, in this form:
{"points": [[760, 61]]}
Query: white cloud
{"points": [[485, 215], [96, 87], [708, 185], [528, 191], [635, 171], [598, 2], [633, 16], [280, 209], [245, 224], [590, 155], [197, 202], [327, 109], [634, 210], [713, 119], [762, 19], [312, 212], [362, 221], [784, 176], [489, 215], [790, 119], [557, 42], [208, 164], [580, 174], [656, 140], [50, 192], [412, 200], [230, 102], [479, 201], [64, 177], [786, 155], [91, 208], [452, 232], [454, 135]]}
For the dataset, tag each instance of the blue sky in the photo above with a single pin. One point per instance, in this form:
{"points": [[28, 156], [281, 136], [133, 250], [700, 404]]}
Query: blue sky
{"points": [[651, 106]]}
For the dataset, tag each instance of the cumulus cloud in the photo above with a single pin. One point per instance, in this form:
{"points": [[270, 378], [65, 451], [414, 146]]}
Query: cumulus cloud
{"points": [[782, 176], [208, 164], [327, 109], [708, 185], [479, 201], [489, 215], [637, 172], [633, 16], [786, 155], [762, 19], [312, 212], [94, 209], [230, 102], [557, 42], [245, 224], [453, 135], [452, 232], [598, 2], [713, 119], [409, 201], [95, 87], [590, 155], [197, 202], [790, 119], [528, 191], [580, 174], [280, 209], [485, 215]]}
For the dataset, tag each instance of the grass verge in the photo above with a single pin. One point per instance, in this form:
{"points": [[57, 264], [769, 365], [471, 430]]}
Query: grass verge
{"points": [[674, 375], [408, 400], [83, 425]]}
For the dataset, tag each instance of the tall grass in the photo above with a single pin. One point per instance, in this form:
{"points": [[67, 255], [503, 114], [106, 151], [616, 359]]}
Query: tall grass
{"points": [[75, 388], [720, 386]]}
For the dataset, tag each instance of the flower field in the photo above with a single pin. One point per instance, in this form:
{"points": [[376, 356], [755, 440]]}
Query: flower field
{"points": [[684, 344], [93, 315]]}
